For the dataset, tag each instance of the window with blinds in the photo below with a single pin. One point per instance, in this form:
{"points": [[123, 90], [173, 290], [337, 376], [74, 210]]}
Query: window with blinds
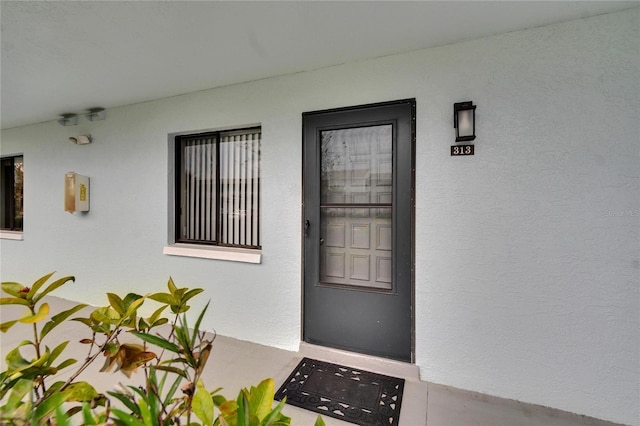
{"points": [[218, 188]]}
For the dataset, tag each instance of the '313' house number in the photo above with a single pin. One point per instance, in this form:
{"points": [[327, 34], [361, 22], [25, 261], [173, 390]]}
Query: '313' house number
{"points": [[461, 150]]}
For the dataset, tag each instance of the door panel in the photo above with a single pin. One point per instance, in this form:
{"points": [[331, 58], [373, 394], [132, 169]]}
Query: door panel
{"points": [[358, 207]]}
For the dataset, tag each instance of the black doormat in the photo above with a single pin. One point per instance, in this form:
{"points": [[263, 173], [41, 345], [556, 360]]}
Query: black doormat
{"points": [[345, 393]]}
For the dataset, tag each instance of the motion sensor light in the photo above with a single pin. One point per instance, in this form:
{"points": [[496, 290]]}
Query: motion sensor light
{"points": [[81, 140]]}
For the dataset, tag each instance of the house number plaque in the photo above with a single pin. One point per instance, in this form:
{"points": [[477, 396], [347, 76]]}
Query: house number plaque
{"points": [[461, 150]]}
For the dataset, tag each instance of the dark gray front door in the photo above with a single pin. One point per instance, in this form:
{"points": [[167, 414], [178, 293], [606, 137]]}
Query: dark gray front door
{"points": [[358, 227]]}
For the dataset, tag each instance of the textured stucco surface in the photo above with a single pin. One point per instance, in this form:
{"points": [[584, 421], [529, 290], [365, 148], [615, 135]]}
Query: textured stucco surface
{"points": [[527, 255]]}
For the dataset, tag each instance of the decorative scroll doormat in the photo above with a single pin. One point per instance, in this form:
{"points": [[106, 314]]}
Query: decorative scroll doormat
{"points": [[345, 393]]}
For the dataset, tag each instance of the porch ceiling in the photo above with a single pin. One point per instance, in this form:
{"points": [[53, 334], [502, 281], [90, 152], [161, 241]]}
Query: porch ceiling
{"points": [[67, 56]]}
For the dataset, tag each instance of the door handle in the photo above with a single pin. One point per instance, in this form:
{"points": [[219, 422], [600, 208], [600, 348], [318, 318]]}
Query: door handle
{"points": [[307, 225]]}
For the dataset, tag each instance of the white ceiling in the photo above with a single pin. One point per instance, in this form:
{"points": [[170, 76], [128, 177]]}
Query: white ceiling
{"points": [[68, 56]]}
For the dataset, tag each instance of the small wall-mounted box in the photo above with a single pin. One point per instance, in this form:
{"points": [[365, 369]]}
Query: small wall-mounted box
{"points": [[76, 193]]}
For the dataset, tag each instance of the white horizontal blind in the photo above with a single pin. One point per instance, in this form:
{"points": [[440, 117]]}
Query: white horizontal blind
{"points": [[198, 189], [240, 188]]}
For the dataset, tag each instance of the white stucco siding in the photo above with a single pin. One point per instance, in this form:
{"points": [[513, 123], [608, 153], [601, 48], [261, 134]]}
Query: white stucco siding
{"points": [[527, 255]]}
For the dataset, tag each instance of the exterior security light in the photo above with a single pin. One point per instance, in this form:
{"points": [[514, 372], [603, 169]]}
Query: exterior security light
{"points": [[81, 139], [464, 121]]}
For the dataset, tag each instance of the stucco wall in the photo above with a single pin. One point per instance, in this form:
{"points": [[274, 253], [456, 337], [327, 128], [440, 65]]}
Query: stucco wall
{"points": [[527, 254]]}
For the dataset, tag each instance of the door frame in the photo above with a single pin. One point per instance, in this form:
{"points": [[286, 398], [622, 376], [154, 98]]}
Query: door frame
{"points": [[411, 248]]}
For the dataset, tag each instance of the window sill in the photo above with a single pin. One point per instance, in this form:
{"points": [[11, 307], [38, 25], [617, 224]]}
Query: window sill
{"points": [[218, 253], [11, 235]]}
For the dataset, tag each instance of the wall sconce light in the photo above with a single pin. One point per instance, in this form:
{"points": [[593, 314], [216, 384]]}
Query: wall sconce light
{"points": [[95, 114], [464, 121], [81, 139], [68, 119]]}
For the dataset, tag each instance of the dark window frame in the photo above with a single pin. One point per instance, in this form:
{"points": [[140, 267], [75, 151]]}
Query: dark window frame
{"points": [[12, 198], [214, 138]]}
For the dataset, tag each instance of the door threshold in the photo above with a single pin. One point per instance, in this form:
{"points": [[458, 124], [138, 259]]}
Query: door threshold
{"points": [[370, 363]]}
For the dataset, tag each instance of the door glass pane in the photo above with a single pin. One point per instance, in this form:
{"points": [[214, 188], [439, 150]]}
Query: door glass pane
{"points": [[355, 214]]}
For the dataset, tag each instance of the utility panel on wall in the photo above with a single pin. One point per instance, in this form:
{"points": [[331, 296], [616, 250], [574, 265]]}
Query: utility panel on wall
{"points": [[76, 193]]}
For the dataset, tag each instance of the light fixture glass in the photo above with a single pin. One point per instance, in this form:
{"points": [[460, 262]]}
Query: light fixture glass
{"points": [[464, 121], [68, 119], [94, 114]]}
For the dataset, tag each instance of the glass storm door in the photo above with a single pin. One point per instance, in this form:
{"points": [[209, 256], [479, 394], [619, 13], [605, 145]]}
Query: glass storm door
{"points": [[358, 227]]}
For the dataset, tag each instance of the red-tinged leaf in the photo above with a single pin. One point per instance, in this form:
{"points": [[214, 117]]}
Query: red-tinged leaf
{"points": [[87, 341], [131, 363], [14, 289], [110, 361], [128, 358], [141, 358], [202, 358]]}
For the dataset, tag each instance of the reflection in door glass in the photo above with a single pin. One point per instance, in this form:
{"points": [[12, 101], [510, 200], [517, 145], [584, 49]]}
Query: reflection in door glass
{"points": [[356, 205]]}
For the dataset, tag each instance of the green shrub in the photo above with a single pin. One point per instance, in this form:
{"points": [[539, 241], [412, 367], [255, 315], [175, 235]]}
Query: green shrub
{"points": [[174, 392]]}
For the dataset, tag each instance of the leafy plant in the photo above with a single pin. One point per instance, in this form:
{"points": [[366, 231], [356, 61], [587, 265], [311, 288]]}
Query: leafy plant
{"points": [[25, 380], [251, 408], [173, 365]]}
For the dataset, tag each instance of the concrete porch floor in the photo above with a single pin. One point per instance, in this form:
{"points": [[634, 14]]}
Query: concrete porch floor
{"points": [[235, 364]]}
